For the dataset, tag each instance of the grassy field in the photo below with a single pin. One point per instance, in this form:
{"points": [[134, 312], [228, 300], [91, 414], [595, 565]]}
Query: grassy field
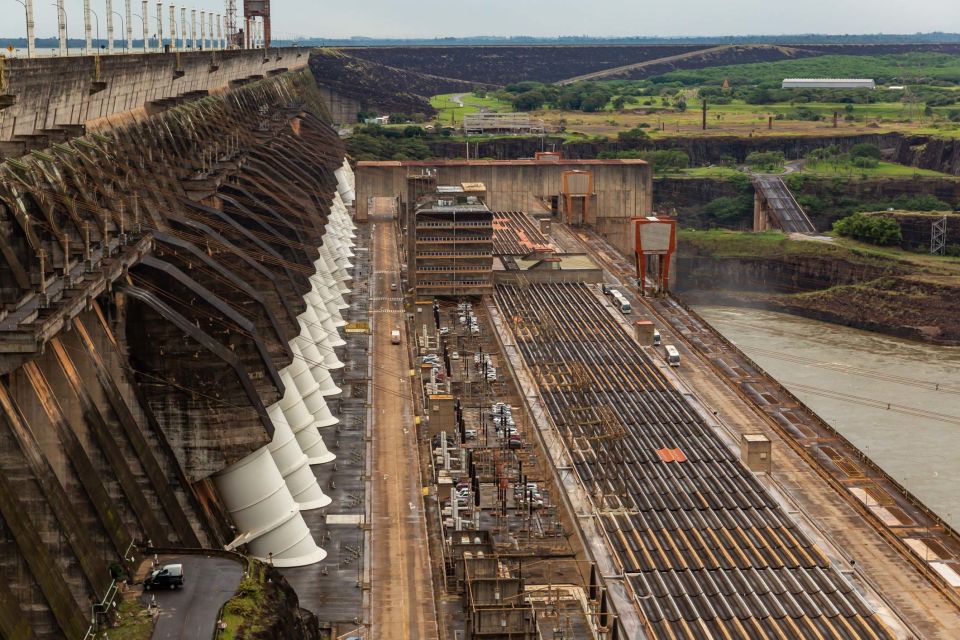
{"points": [[451, 112], [733, 244], [908, 68], [739, 119], [883, 170]]}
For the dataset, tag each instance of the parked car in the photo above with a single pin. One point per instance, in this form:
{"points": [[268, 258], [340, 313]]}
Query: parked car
{"points": [[167, 577]]}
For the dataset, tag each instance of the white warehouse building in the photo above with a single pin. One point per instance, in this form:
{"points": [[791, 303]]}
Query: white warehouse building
{"points": [[828, 83]]}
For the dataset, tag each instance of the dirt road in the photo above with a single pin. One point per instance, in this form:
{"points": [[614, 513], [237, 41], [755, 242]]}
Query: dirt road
{"points": [[402, 601]]}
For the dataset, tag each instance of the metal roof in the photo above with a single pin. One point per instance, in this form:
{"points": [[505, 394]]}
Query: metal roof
{"points": [[706, 551]]}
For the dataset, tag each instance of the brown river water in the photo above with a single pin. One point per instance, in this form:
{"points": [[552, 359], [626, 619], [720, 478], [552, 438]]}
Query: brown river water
{"points": [[896, 400]]}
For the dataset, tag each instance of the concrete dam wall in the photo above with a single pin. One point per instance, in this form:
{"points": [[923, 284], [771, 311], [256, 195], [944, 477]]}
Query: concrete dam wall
{"points": [[46, 100], [166, 325]]}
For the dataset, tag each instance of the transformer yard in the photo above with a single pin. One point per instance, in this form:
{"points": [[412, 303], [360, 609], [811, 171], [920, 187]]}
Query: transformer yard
{"points": [[575, 485]]}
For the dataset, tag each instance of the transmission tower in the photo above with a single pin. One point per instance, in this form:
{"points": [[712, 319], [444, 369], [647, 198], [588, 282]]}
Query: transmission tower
{"points": [[231, 23], [938, 236]]}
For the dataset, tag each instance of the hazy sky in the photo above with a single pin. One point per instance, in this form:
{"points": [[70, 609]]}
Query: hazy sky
{"points": [[429, 18]]}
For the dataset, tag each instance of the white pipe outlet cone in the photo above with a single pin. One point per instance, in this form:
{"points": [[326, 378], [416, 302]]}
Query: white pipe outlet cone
{"points": [[345, 189], [331, 329], [304, 378], [313, 446], [293, 464], [326, 418], [293, 407], [334, 310], [310, 323], [330, 293], [325, 324], [306, 430], [311, 353], [328, 387], [266, 515]]}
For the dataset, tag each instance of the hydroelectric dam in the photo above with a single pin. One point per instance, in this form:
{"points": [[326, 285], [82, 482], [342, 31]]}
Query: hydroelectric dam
{"points": [[174, 257]]}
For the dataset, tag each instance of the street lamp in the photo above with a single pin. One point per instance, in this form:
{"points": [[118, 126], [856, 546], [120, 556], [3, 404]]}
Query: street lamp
{"points": [[31, 43], [97, 18], [65, 45], [123, 28], [143, 22]]}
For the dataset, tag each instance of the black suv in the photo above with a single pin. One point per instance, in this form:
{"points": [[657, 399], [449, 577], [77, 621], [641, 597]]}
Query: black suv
{"points": [[169, 576]]}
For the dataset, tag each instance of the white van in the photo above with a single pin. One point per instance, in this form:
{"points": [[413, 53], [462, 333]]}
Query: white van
{"points": [[673, 356], [656, 337]]}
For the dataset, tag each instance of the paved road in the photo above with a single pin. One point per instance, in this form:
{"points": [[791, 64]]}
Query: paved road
{"points": [[190, 613], [401, 585]]}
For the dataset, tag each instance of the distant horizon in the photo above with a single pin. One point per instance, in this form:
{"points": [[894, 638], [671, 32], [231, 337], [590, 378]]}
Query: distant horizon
{"points": [[930, 37]]}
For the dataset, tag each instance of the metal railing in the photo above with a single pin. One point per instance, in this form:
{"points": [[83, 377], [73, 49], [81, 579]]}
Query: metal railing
{"points": [[100, 608]]}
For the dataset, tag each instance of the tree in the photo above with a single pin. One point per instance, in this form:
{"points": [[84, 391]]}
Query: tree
{"points": [[528, 101], [865, 150], [765, 160], [633, 136], [728, 209], [879, 230], [618, 103]]}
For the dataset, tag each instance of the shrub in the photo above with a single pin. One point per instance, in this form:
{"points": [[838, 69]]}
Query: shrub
{"points": [[865, 150], [730, 209], [765, 160], [864, 162], [879, 230], [633, 136]]}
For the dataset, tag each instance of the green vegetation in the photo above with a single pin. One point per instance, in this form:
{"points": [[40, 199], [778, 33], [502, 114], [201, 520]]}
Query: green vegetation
{"points": [[729, 210], [451, 113], [712, 172], [133, 622], [373, 142], [663, 161], [863, 160], [242, 613], [879, 230], [906, 68], [766, 161]]}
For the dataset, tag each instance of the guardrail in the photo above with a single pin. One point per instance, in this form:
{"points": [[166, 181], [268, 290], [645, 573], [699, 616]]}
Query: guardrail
{"points": [[99, 608]]}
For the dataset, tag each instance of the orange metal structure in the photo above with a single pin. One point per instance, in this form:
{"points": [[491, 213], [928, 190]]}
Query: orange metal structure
{"points": [[655, 244]]}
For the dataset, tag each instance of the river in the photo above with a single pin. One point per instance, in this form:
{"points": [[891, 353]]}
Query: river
{"points": [[851, 377]]}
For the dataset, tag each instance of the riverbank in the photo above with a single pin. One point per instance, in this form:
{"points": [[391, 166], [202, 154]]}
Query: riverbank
{"points": [[887, 291], [893, 398]]}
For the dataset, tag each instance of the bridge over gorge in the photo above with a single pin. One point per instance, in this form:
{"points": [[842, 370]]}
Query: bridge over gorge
{"points": [[775, 207]]}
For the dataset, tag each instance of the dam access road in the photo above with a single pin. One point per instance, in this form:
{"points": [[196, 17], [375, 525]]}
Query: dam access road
{"points": [[402, 599]]}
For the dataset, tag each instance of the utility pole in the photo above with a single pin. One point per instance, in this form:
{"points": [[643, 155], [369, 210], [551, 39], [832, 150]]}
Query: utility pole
{"points": [[145, 23], [28, 14], [129, 25], [173, 28], [109, 26], [704, 114], [160, 26], [87, 29], [183, 28]]}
